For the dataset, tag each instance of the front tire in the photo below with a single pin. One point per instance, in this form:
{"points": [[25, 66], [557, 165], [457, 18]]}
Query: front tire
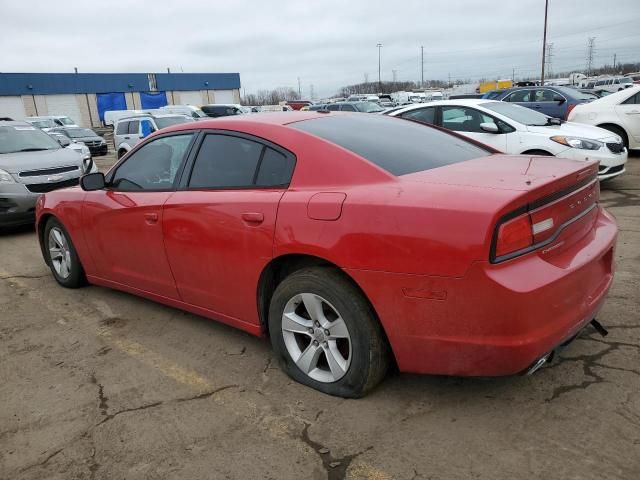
{"points": [[62, 257], [325, 334]]}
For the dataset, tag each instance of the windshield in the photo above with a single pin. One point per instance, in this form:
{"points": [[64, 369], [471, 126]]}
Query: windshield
{"points": [[519, 114], [65, 121], [80, 132], [164, 122], [42, 123], [626, 80], [368, 107], [25, 139]]}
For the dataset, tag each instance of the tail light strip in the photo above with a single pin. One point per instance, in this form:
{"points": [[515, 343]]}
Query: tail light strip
{"points": [[538, 224]]}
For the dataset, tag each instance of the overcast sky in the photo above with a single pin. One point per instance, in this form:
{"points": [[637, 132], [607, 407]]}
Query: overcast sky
{"points": [[327, 44]]}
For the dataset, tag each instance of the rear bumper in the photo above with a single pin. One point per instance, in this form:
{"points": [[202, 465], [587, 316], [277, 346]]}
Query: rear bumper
{"points": [[496, 319]]}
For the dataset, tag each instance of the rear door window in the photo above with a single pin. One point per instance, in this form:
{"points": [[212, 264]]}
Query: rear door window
{"points": [[134, 127], [229, 162], [424, 115], [520, 96], [123, 128]]}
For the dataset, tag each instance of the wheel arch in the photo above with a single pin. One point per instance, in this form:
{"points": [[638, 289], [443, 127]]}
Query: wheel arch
{"points": [[537, 151], [617, 126], [42, 222], [281, 267]]}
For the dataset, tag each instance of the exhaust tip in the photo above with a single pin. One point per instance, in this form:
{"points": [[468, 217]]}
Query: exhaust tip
{"points": [[539, 364]]}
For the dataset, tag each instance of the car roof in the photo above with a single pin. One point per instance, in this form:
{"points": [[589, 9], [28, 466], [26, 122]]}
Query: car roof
{"points": [[14, 123], [152, 115]]}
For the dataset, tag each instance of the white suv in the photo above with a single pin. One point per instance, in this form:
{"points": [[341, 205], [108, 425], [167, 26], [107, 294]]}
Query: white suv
{"points": [[129, 131], [612, 84]]}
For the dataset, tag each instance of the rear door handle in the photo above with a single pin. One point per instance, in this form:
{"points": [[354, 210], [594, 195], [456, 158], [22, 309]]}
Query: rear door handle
{"points": [[254, 218], [151, 218], [127, 138]]}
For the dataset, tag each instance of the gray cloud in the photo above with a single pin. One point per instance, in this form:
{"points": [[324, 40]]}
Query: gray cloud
{"points": [[327, 44]]}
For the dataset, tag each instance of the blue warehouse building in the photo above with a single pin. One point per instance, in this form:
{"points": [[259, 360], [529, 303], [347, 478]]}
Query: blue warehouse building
{"points": [[85, 97]]}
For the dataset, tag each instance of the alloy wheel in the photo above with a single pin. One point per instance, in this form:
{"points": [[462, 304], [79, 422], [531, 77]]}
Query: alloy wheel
{"points": [[316, 337], [59, 252]]}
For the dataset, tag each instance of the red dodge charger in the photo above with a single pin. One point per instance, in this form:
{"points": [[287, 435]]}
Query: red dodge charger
{"points": [[351, 240]]}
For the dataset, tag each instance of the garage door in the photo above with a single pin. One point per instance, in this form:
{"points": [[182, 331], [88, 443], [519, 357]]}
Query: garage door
{"points": [[12, 107], [224, 96], [189, 98], [64, 105]]}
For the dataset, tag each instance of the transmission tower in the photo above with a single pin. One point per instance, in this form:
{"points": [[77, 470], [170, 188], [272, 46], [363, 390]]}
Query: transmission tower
{"points": [[366, 78], [395, 75], [591, 50], [548, 58]]}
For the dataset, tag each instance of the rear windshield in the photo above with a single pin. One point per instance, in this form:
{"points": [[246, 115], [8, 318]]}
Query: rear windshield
{"points": [[398, 146]]}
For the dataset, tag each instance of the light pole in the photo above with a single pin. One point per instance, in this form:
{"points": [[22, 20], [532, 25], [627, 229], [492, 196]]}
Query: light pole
{"points": [[379, 45], [544, 41]]}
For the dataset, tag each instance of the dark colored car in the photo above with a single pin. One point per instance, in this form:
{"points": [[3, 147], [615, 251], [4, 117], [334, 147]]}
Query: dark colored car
{"points": [[364, 107], [221, 110], [97, 145], [553, 101]]}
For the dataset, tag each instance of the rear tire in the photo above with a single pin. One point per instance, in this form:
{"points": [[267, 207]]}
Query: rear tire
{"points": [[325, 334], [618, 131], [62, 257]]}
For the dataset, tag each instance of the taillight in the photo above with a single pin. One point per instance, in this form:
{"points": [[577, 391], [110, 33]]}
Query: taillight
{"points": [[569, 108], [514, 235], [542, 221]]}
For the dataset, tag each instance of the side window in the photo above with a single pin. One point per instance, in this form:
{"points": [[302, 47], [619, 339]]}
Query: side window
{"points": [[225, 162], [123, 128], [153, 166], [424, 115], [543, 95], [348, 108], [333, 107], [134, 127], [275, 169], [463, 119], [146, 128], [632, 100], [520, 96]]}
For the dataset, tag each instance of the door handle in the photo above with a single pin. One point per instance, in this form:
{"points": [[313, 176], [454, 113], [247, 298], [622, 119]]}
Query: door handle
{"points": [[254, 218], [151, 218], [633, 112], [127, 138]]}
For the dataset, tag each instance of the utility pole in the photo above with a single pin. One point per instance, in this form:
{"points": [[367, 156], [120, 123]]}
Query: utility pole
{"points": [[449, 82], [544, 40], [168, 70], [379, 45], [513, 74], [614, 62], [395, 75], [299, 89], [591, 47], [311, 92], [422, 66]]}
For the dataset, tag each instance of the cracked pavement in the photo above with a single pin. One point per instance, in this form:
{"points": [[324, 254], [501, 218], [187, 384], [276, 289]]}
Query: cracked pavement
{"points": [[97, 384]]}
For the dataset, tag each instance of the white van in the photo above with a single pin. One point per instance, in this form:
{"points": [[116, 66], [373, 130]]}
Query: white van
{"points": [[189, 110]]}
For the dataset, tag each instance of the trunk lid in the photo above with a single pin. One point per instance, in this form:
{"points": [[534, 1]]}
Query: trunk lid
{"points": [[536, 199]]}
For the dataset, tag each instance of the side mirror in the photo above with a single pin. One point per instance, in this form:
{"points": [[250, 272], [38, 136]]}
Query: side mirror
{"points": [[558, 98], [92, 181], [489, 127]]}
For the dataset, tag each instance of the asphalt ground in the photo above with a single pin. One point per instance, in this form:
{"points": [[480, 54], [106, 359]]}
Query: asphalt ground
{"points": [[99, 384]]}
